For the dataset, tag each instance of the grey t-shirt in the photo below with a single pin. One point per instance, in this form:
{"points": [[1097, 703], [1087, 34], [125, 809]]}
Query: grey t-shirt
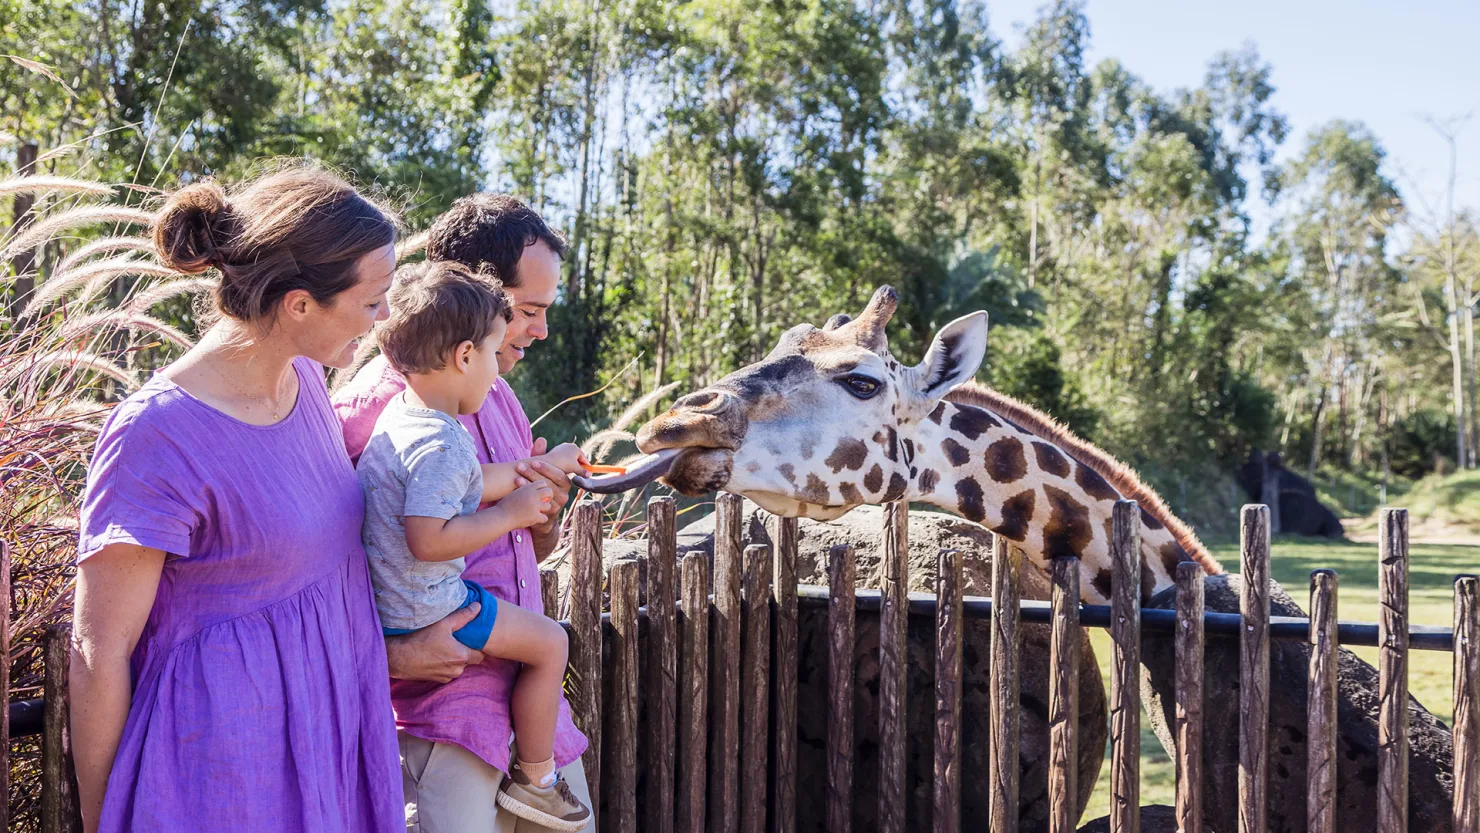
{"points": [[419, 462]]}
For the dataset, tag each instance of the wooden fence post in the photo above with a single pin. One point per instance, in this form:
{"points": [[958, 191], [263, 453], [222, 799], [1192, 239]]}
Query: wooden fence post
{"points": [[693, 695], [948, 637], [784, 671], [840, 623], [1125, 671], [1320, 801], [60, 812], [1002, 757], [755, 688], [1063, 698], [550, 592], [1467, 705], [585, 640], [1253, 746], [724, 666], [621, 780], [1392, 670], [662, 662], [894, 616], [1189, 697]]}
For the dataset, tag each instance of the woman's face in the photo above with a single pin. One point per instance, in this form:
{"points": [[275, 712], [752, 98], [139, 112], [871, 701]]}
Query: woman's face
{"points": [[330, 334]]}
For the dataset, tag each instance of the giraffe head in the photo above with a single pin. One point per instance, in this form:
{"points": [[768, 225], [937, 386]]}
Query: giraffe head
{"points": [[823, 423]]}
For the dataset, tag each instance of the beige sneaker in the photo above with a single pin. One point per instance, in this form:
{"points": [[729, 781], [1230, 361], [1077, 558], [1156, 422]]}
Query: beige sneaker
{"points": [[554, 806]]}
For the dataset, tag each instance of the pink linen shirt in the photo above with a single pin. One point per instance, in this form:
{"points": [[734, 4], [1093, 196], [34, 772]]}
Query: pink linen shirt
{"points": [[472, 711]]}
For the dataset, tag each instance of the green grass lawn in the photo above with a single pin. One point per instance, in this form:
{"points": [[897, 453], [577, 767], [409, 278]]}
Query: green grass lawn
{"points": [[1432, 569]]}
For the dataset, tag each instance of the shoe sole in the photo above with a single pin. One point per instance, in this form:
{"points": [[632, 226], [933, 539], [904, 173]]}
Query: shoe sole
{"points": [[528, 813]]}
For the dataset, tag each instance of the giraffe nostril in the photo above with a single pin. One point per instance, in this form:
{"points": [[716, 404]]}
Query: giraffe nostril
{"points": [[700, 401]]}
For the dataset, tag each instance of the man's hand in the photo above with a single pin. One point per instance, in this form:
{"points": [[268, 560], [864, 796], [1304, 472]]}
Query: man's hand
{"points": [[547, 535], [433, 654]]}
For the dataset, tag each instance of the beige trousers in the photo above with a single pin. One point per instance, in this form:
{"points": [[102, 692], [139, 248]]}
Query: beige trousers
{"points": [[451, 790]]}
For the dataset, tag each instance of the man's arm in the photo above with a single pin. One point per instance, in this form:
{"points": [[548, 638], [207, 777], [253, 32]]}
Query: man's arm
{"points": [[433, 654]]}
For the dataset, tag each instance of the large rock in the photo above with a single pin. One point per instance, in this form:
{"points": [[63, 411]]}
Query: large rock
{"points": [[928, 533], [1431, 782]]}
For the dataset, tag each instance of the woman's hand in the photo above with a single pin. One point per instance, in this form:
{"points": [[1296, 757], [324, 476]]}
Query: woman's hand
{"points": [[433, 654]]}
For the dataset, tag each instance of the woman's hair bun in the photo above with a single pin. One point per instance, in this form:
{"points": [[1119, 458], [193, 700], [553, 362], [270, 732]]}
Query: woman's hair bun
{"points": [[193, 227]]}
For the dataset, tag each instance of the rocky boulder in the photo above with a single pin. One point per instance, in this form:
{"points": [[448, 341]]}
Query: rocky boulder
{"points": [[1431, 756]]}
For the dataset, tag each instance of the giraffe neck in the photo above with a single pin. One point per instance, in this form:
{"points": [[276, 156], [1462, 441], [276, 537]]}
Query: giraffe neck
{"points": [[974, 463]]}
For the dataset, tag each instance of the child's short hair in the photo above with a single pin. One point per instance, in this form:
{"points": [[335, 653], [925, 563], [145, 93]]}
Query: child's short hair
{"points": [[435, 306]]}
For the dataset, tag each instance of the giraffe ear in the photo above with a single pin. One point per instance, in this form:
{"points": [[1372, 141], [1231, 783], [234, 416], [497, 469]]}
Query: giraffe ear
{"points": [[954, 356]]}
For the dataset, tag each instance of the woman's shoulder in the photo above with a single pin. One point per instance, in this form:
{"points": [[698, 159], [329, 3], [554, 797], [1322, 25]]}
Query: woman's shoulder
{"points": [[157, 404]]}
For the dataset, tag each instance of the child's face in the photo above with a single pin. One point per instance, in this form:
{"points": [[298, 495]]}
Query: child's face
{"points": [[481, 370]]}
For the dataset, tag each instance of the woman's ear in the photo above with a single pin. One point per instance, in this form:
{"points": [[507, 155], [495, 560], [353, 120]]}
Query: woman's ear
{"points": [[298, 303]]}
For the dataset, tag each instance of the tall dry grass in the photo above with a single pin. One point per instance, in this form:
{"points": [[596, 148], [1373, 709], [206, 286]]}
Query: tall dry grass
{"points": [[84, 339]]}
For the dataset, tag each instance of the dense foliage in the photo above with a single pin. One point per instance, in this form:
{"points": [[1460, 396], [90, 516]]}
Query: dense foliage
{"points": [[727, 169]]}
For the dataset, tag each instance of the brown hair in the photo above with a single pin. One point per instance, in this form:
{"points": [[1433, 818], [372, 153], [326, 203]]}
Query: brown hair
{"points": [[435, 306], [489, 233], [301, 227]]}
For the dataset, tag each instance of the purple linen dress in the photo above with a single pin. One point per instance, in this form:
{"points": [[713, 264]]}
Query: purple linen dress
{"points": [[260, 698]]}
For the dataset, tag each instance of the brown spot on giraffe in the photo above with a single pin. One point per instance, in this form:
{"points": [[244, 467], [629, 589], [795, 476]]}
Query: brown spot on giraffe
{"points": [[1017, 514], [788, 471], [850, 493], [897, 485], [1148, 581], [874, 480], [972, 422], [1172, 554], [849, 454], [1068, 531], [969, 500], [1150, 520], [939, 413], [1093, 484], [815, 491], [909, 450], [891, 444], [1051, 460], [1104, 582], [955, 452], [928, 480], [1006, 461]]}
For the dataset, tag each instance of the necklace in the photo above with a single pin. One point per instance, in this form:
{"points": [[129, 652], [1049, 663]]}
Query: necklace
{"points": [[276, 416]]}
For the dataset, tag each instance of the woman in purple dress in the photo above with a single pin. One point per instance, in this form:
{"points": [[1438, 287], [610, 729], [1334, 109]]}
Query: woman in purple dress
{"points": [[228, 671]]}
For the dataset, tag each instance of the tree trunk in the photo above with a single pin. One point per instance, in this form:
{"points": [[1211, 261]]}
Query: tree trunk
{"points": [[1456, 358], [1470, 381], [1317, 424], [25, 202]]}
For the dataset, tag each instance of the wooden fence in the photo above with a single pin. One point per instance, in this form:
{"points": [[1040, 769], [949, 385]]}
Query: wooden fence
{"points": [[716, 676]]}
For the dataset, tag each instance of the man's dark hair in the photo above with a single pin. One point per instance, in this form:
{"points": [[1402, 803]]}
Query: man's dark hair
{"points": [[488, 233]]}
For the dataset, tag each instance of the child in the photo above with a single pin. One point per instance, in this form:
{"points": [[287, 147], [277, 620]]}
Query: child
{"points": [[423, 485]]}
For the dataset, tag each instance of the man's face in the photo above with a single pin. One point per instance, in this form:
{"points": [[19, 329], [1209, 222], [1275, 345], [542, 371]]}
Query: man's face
{"points": [[539, 280]]}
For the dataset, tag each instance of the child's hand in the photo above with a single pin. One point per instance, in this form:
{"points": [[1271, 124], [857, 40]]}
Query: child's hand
{"points": [[567, 457], [526, 504]]}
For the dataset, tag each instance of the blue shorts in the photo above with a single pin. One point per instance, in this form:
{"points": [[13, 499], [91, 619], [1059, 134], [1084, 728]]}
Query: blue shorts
{"points": [[475, 633]]}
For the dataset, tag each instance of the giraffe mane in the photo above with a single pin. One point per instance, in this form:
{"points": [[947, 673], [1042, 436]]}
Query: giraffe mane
{"points": [[1117, 473]]}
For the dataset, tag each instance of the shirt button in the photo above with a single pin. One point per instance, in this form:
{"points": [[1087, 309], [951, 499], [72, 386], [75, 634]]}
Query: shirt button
{"points": [[518, 539], [522, 583]]}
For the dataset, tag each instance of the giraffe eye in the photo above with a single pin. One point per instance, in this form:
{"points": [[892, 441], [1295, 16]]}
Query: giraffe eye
{"points": [[862, 386]]}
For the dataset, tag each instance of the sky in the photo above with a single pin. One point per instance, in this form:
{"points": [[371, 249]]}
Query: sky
{"points": [[1386, 64]]}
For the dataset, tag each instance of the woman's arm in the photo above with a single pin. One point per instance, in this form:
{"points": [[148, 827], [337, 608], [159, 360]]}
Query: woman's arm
{"points": [[115, 592]]}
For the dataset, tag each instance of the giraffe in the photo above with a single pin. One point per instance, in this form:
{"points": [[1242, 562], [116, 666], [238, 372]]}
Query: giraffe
{"points": [[829, 421]]}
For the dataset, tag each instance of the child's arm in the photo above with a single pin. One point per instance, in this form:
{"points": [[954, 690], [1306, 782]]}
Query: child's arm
{"points": [[436, 539], [499, 479]]}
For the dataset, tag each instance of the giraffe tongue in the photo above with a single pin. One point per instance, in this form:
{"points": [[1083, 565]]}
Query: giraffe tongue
{"points": [[638, 474]]}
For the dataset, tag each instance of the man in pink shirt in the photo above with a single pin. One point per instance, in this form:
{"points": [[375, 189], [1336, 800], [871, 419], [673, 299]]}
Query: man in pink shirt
{"points": [[452, 706]]}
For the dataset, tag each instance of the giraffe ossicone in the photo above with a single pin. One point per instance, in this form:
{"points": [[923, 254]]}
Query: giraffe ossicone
{"points": [[829, 421]]}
